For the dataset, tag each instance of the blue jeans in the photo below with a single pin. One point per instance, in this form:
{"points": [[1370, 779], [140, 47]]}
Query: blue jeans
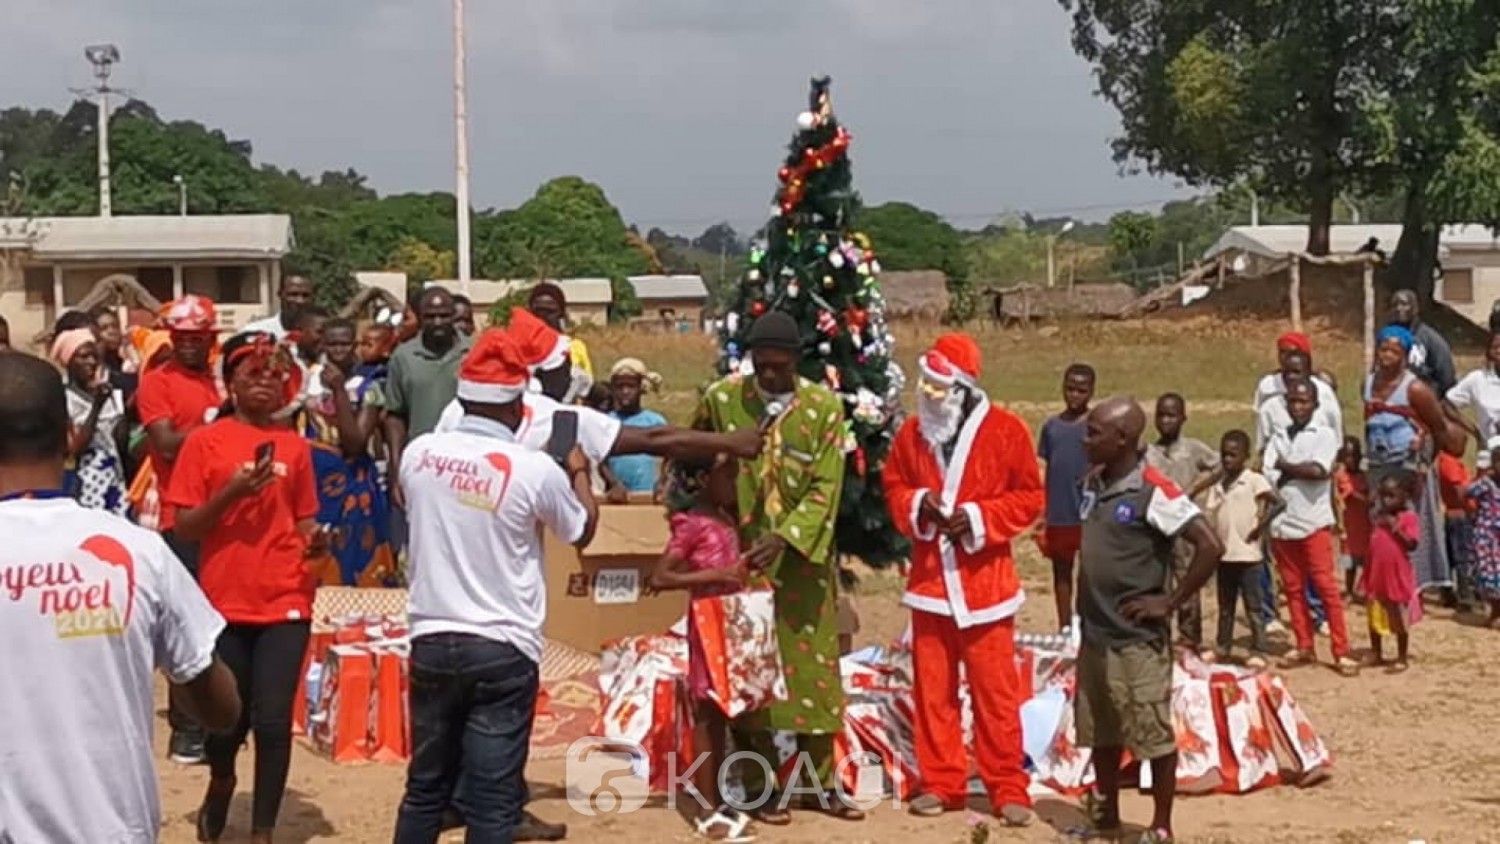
{"points": [[472, 702], [1268, 597]]}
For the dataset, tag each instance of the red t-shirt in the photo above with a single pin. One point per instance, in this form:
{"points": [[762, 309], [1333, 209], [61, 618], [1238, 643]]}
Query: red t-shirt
{"points": [[1453, 483], [251, 564], [182, 397]]}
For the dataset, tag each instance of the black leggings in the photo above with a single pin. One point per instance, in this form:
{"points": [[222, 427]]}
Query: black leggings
{"points": [[265, 660]]}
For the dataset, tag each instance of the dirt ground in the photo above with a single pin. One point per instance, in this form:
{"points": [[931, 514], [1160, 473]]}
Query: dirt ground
{"points": [[1413, 763]]}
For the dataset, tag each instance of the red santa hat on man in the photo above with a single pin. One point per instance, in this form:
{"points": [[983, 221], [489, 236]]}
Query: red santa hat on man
{"points": [[541, 346], [952, 360], [494, 371]]}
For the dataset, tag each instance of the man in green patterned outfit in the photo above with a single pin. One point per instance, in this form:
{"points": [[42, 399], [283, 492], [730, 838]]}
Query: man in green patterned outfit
{"points": [[788, 501]]}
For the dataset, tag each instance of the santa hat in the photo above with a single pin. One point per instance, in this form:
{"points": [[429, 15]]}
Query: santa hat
{"points": [[541, 346], [190, 313], [494, 371], [953, 359], [1294, 341]]}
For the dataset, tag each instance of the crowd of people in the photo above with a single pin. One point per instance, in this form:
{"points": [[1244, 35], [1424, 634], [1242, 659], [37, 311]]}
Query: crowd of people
{"points": [[306, 451]]}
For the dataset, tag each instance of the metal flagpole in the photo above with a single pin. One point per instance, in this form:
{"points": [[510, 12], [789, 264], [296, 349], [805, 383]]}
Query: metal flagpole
{"points": [[461, 144]]}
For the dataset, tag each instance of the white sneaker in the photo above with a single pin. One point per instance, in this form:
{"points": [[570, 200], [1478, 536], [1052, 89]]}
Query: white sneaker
{"points": [[1323, 629], [1275, 626]]}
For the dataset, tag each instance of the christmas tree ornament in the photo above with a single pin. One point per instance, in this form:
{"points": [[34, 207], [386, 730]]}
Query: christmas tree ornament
{"points": [[836, 260], [757, 308], [828, 281], [863, 268], [827, 324], [732, 323], [753, 275], [860, 466], [874, 268], [788, 272], [792, 290], [831, 377], [825, 348], [784, 174], [806, 120]]}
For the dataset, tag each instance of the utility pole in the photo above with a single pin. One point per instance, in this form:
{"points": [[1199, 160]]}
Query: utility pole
{"points": [[181, 184], [102, 57], [461, 143]]}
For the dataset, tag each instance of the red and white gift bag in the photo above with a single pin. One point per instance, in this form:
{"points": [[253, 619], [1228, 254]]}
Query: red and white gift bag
{"points": [[643, 681], [338, 726], [740, 649]]}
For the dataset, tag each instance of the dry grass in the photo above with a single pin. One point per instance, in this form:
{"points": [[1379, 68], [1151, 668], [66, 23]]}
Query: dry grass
{"points": [[1215, 364]]}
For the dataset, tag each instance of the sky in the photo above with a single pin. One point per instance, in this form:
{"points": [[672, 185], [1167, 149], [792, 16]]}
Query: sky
{"points": [[680, 109]]}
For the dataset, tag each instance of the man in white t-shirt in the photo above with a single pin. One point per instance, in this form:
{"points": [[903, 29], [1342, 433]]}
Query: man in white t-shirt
{"points": [[477, 499], [90, 605], [296, 294], [1294, 354], [1299, 464], [600, 435]]}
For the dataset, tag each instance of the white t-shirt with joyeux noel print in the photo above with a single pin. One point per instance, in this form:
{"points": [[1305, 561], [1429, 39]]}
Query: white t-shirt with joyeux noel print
{"points": [[476, 500], [597, 431], [90, 606]]}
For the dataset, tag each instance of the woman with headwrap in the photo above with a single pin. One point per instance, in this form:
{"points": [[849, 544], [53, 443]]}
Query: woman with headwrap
{"points": [[243, 487], [97, 411], [1405, 427], [341, 422], [629, 380]]}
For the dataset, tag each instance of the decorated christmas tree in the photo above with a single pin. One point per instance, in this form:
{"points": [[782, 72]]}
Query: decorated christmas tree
{"points": [[809, 264]]}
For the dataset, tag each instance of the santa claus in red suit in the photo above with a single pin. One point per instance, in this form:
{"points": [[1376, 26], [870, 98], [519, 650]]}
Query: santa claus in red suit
{"points": [[962, 481]]}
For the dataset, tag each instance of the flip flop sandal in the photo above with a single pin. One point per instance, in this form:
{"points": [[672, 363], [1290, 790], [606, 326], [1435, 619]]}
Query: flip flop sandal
{"points": [[834, 805], [736, 826], [1296, 659]]}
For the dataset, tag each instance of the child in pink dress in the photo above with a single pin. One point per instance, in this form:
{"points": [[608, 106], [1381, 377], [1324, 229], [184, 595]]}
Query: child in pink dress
{"points": [[703, 556], [1389, 579]]}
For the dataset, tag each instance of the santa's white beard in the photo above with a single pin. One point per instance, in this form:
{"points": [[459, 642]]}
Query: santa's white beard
{"points": [[939, 420]]}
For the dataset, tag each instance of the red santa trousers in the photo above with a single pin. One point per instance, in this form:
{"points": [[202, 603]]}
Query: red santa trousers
{"points": [[989, 653]]}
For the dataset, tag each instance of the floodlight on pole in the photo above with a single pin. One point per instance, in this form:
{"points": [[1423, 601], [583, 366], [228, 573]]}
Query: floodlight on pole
{"points": [[103, 57], [461, 143]]}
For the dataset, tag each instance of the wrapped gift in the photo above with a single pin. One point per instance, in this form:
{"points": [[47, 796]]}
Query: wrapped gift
{"points": [[1290, 729], [643, 682], [1066, 768], [738, 635], [883, 726], [338, 726], [309, 679], [388, 727], [1248, 757], [1199, 752]]}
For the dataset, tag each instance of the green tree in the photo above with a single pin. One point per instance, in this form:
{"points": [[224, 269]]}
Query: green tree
{"points": [[569, 228], [420, 261], [1006, 257], [814, 267], [1131, 233], [1285, 94], [913, 238]]}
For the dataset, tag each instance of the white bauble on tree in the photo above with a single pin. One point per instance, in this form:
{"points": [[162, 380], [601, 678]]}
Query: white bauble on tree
{"points": [[806, 121]]}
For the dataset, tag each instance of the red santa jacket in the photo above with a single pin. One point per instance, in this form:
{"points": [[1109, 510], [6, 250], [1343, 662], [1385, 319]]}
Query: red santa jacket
{"points": [[994, 478]]}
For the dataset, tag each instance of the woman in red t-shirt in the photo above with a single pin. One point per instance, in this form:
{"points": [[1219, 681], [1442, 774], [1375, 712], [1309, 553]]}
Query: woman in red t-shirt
{"points": [[244, 489]]}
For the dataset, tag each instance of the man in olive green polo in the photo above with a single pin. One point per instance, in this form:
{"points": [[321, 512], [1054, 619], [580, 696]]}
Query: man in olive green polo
{"points": [[423, 380]]}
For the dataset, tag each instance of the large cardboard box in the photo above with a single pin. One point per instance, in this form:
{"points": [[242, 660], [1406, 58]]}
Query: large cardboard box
{"points": [[597, 594]]}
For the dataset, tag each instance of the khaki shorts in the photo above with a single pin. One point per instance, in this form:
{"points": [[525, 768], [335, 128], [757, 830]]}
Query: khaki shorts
{"points": [[1124, 699]]}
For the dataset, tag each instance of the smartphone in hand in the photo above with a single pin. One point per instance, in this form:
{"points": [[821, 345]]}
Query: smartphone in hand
{"points": [[264, 453]]}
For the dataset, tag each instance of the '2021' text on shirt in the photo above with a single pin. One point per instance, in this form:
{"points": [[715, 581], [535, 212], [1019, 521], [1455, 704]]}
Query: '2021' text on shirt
{"points": [[90, 605]]}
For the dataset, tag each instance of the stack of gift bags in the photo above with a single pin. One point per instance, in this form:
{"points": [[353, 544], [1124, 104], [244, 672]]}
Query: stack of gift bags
{"points": [[351, 703], [1238, 730]]}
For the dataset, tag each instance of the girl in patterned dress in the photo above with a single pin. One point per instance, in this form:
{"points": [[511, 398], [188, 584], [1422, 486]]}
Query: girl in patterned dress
{"points": [[703, 556], [1485, 495]]}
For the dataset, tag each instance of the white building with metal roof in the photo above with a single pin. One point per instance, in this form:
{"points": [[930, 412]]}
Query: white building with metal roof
{"points": [[1469, 255], [49, 264]]}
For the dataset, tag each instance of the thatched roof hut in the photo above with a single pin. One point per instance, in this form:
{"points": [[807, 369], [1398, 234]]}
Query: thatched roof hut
{"points": [[915, 294]]}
